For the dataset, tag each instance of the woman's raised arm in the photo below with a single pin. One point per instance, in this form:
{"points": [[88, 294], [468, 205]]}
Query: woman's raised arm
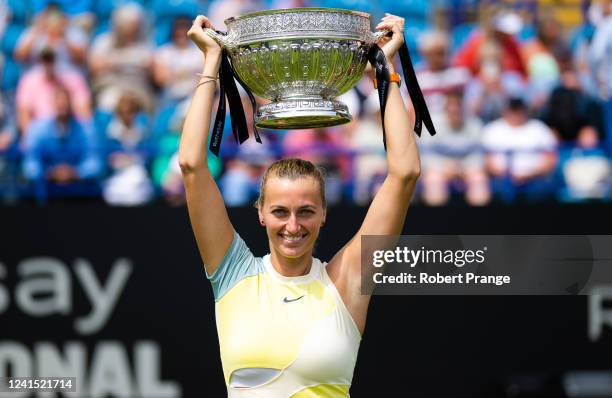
{"points": [[211, 226], [388, 210]]}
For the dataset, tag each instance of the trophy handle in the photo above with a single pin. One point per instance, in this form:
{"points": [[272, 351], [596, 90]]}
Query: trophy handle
{"points": [[224, 40], [374, 37]]}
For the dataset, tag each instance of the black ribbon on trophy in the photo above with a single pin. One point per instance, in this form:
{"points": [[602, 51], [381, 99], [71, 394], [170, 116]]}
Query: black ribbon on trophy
{"points": [[229, 90], [377, 58]]}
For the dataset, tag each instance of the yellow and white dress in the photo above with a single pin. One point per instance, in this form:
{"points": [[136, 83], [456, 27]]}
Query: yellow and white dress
{"points": [[281, 337]]}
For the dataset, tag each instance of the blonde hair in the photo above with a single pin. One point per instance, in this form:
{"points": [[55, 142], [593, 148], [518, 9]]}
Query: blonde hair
{"points": [[292, 169]]}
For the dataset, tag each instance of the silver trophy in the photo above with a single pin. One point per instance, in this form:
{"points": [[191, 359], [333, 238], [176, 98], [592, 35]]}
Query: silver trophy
{"points": [[301, 59]]}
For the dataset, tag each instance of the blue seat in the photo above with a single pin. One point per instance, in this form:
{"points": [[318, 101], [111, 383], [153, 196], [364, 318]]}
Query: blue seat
{"points": [[103, 9], [170, 9], [166, 11], [163, 33], [70, 7], [11, 37], [581, 34], [161, 122], [11, 71], [102, 26], [460, 33], [357, 5], [101, 121], [408, 9], [527, 33], [412, 33], [21, 10]]}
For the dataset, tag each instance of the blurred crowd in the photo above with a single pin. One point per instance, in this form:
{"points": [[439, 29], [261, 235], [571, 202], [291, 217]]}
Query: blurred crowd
{"points": [[94, 94]]}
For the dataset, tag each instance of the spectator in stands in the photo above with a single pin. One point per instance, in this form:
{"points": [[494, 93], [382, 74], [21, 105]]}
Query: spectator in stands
{"points": [[579, 42], [549, 41], [37, 87], [61, 149], [541, 59], [122, 58], [454, 156], [240, 182], [220, 10], [601, 58], [487, 94], [369, 162], [171, 183], [323, 147], [474, 54], [177, 63], [585, 169], [127, 148], [571, 112], [437, 77], [521, 154], [73, 8], [165, 171], [242, 173], [51, 30]]}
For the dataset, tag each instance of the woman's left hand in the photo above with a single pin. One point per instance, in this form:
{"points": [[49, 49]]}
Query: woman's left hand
{"points": [[390, 45]]}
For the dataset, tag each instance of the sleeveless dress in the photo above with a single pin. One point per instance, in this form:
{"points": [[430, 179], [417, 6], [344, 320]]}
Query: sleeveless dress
{"points": [[281, 337]]}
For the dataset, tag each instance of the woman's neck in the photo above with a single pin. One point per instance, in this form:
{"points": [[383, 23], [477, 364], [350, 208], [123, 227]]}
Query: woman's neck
{"points": [[291, 267]]}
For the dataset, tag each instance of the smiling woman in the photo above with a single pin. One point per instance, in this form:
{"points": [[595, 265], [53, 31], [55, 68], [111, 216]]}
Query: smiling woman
{"points": [[292, 207], [290, 325]]}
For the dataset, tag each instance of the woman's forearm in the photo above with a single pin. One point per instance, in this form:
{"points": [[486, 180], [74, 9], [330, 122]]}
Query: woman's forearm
{"points": [[194, 139], [402, 153]]}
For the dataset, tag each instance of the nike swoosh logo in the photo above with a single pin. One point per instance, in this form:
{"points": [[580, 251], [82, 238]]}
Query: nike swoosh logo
{"points": [[286, 300]]}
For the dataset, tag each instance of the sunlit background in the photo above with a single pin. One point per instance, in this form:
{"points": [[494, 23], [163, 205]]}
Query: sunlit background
{"points": [[519, 92]]}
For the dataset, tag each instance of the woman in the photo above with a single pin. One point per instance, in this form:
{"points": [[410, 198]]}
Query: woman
{"points": [[122, 57], [52, 30], [289, 325], [127, 145], [176, 64]]}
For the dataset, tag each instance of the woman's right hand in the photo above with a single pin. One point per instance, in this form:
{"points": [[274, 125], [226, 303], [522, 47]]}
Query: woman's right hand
{"points": [[204, 42]]}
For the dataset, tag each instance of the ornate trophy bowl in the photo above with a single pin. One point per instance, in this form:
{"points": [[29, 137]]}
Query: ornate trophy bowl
{"points": [[300, 59]]}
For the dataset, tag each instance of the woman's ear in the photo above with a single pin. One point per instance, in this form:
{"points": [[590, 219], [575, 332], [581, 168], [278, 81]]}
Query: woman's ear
{"points": [[261, 218]]}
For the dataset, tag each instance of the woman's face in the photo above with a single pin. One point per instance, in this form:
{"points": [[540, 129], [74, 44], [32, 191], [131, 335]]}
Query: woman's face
{"points": [[293, 213]]}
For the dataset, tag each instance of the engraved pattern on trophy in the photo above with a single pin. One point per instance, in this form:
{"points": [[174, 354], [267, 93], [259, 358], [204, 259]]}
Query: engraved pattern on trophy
{"points": [[331, 23], [300, 59]]}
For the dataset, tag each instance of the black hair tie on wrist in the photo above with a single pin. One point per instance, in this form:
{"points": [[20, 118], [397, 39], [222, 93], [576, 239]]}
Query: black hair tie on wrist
{"points": [[228, 88], [379, 62]]}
